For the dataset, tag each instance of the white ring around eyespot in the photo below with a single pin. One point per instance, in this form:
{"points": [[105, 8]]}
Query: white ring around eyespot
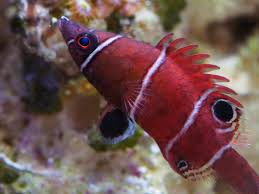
{"points": [[226, 130], [130, 131], [233, 108]]}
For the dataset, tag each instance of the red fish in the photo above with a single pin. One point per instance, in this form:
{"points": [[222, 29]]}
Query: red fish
{"points": [[166, 91]]}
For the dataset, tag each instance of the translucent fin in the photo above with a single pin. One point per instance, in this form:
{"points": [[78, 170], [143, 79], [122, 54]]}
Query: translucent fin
{"points": [[243, 136], [115, 126]]}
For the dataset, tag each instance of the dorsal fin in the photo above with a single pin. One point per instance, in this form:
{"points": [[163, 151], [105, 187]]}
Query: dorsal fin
{"points": [[191, 63], [188, 60], [164, 40]]}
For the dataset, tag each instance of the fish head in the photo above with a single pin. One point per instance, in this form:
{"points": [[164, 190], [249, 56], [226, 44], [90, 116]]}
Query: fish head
{"points": [[81, 41]]}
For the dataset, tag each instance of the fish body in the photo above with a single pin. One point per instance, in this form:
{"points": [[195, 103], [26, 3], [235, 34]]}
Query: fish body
{"points": [[166, 90]]}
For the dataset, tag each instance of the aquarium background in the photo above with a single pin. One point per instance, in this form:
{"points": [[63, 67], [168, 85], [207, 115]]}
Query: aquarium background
{"points": [[48, 110]]}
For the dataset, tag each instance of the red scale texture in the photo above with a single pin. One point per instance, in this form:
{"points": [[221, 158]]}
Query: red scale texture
{"points": [[199, 137], [118, 71], [119, 78]]}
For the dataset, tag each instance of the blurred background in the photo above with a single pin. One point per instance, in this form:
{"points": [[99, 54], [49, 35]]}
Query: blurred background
{"points": [[48, 110]]}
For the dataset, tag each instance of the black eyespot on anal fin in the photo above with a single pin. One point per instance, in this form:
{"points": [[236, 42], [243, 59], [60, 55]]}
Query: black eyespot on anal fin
{"points": [[116, 126]]}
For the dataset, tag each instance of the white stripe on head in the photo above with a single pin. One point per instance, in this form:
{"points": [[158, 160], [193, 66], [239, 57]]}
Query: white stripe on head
{"points": [[97, 50], [153, 69], [215, 157], [190, 120], [70, 41]]}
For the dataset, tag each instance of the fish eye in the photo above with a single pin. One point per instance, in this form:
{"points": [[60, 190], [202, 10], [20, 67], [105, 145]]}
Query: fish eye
{"points": [[83, 42], [182, 165], [224, 111]]}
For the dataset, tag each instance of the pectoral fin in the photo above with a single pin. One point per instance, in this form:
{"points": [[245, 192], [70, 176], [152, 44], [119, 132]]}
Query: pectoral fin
{"points": [[115, 126]]}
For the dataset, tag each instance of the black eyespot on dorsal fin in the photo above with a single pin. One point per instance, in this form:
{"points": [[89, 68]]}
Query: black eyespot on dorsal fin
{"points": [[224, 111], [115, 126]]}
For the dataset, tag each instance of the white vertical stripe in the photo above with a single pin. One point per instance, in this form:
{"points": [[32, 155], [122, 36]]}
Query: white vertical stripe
{"points": [[216, 157], [160, 60], [189, 121], [98, 49], [226, 130]]}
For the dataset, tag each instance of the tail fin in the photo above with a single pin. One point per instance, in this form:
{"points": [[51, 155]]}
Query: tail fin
{"points": [[236, 171]]}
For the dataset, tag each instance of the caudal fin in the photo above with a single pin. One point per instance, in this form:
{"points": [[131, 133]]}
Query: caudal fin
{"points": [[236, 171]]}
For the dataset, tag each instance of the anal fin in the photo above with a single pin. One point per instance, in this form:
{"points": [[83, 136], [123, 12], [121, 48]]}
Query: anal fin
{"points": [[115, 125]]}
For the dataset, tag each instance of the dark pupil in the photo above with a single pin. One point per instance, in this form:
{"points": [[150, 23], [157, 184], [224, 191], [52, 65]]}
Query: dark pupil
{"points": [[114, 124], [223, 111], [84, 41], [181, 164]]}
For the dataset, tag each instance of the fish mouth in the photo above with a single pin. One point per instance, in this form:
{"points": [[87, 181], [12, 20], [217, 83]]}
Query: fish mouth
{"points": [[62, 21], [66, 27], [198, 174], [232, 168], [69, 29], [206, 170]]}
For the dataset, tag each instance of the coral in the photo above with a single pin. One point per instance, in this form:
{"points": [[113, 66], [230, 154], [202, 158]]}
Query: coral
{"points": [[85, 10], [223, 24], [78, 86], [82, 10], [229, 33], [7, 175], [169, 12], [42, 95], [250, 59]]}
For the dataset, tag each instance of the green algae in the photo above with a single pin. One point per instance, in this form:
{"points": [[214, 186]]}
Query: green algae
{"points": [[249, 59], [42, 85], [114, 23], [7, 175], [169, 12]]}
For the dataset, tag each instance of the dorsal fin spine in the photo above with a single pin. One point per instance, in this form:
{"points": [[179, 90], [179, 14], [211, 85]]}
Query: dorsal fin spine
{"points": [[191, 64], [183, 51]]}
